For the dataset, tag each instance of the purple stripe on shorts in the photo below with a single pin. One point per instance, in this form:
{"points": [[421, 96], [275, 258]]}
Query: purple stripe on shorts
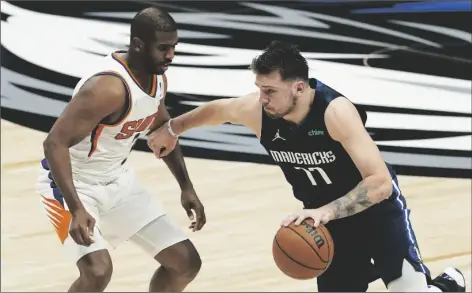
{"points": [[45, 164]]}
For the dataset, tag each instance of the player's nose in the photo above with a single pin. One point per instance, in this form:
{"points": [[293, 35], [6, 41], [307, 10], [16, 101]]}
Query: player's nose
{"points": [[263, 99], [170, 54]]}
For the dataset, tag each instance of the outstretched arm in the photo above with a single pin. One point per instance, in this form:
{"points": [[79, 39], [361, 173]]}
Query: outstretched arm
{"points": [[245, 111]]}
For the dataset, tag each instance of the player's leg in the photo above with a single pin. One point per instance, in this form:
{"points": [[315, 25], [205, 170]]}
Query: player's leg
{"points": [[140, 217], [350, 269], [93, 262], [95, 270], [170, 247], [396, 252]]}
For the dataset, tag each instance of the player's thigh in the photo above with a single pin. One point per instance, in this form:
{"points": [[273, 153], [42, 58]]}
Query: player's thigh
{"points": [[136, 208], [78, 252], [56, 211], [350, 269], [395, 245], [166, 242]]}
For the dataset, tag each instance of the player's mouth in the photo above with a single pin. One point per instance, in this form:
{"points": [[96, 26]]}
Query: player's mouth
{"points": [[268, 109], [165, 66]]}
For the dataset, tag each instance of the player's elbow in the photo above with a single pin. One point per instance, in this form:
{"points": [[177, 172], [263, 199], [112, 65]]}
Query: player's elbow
{"points": [[384, 187], [379, 186], [220, 111], [50, 144]]}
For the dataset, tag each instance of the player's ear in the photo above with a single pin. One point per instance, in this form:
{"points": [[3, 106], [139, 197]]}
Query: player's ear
{"points": [[137, 44], [299, 87]]}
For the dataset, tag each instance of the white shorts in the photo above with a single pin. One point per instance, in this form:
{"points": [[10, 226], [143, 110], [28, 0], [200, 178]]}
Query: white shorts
{"points": [[123, 210]]}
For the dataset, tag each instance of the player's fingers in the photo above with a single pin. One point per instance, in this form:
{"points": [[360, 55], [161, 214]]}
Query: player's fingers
{"points": [[78, 236], [288, 220], [165, 152], [75, 236], [189, 213], [300, 220], [157, 152], [324, 220], [196, 227], [91, 226], [316, 222], [87, 239], [150, 143], [204, 219], [200, 220]]}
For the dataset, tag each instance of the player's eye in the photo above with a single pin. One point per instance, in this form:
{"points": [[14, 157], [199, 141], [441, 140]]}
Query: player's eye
{"points": [[164, 48], [268, 92]]}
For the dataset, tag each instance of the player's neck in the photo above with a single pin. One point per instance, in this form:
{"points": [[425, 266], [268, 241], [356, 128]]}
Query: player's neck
{"points": [[302, 108], [138, 69]]}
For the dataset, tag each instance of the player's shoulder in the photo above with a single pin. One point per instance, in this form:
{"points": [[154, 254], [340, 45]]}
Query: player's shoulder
{"points": [[252, 97], [250, 102], [342, 108], [102, 91], [342, 119], [104, 83], [339, 103], [247, 101]]}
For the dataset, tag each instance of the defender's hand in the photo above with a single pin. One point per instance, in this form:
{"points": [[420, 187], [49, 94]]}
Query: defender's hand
{"points": [[320, 216], [191, 203], [81, 227], [161, 141]]}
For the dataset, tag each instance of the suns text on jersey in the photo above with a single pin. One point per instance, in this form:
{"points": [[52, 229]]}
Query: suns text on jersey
{"points": [[135, 126]]}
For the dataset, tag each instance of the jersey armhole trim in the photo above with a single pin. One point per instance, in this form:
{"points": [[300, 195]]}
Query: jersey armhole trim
{"points": [[97, 131], [128, 100]]}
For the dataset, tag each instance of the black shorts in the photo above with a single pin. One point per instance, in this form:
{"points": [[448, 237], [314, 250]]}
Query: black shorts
{"points": [[382, 233]]}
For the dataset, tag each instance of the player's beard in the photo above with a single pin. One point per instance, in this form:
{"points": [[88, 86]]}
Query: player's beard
{"points": [[150, 66], [284, 113]]}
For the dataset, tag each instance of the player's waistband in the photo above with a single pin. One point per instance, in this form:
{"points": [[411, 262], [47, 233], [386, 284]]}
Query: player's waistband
{"points": [[89, 176]]}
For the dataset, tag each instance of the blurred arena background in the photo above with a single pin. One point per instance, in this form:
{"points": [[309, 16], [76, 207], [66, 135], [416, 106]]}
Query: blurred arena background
{"points": [[407, 62]]}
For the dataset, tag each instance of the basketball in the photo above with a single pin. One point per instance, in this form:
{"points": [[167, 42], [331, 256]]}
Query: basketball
{"points": [[303, 252]]}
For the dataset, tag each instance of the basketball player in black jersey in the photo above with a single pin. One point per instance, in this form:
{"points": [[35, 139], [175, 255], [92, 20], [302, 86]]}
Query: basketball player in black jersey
{"points": [[318, 138]]}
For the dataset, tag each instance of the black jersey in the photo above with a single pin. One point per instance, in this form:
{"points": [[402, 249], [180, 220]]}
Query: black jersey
{"points": [[317, 167]]}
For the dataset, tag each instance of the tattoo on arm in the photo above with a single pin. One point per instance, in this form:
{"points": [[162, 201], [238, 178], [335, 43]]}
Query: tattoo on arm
{"points": [[352, 203]]}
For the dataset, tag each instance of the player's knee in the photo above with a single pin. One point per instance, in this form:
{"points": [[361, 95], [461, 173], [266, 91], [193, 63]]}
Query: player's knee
{"points": [[100, 276], [96, 271], [189, 263], [186, 261], [191, 267]]}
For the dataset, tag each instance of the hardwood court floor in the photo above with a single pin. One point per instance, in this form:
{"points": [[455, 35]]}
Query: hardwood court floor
{"points": [[244, 203]]}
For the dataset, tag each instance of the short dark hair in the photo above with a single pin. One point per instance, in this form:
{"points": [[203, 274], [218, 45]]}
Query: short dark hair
{"points": [[285, 58], [150, 20]]}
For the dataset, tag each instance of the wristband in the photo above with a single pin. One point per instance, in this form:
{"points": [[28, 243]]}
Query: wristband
{"points": [[170, 129]]}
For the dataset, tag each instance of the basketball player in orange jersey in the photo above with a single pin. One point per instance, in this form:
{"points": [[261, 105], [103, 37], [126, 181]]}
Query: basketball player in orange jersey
{"points": [[91, 195], [318, 138]]}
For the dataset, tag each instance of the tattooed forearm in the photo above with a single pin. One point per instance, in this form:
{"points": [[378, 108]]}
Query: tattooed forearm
{"points": [[352, 203]]}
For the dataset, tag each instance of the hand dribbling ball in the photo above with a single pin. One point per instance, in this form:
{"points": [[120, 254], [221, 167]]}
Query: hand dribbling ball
{"points": [[303, 252]]}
